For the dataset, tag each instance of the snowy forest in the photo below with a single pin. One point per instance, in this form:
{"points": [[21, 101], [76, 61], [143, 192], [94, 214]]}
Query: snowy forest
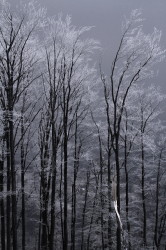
{"points": [[82, 152]]}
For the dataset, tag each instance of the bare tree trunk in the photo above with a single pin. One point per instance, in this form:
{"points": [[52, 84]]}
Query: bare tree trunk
{"points": [[157, 202], [13, 175], [2, 205], [143, 191], [109, 197], [8, 201], [66, 98], [101, 183], [74, 197], [93, 211], [118, 233], [45, 175], [73, 219], [101, 190], [60, 195], [40, 221], [109, 147], [23, 182], [44, 212], [53, 189], [65, 151], [127, 194], [84, 208]]}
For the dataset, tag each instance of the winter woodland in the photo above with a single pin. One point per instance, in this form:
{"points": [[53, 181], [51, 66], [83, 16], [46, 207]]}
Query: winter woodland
{"points": [[82, 152]]}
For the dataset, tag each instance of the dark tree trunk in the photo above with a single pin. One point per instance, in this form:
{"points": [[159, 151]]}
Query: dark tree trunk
{"points": [[40, 220], [143, 191], [74, 197], [118, 233], [53, 189], [65, 151], [73, 220], [60, 196], [13, 177], [109, 198], [23, 184], [2, 206], [44, 236], [93, 212], [127, 194], [84, 208], [45, 179], [8, 201], [44, 211], [101, 190], [157, 202]]}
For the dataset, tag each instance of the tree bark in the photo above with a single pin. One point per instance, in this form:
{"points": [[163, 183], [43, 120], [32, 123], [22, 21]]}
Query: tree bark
{"points": [[2, 205], [53, 189], [118, 233], [23, 183], [8, 201], [84, 208], [65, 151], [143, 192]]}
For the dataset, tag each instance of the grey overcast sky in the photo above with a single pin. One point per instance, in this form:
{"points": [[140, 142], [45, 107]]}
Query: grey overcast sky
{"points": [[107, 16]]}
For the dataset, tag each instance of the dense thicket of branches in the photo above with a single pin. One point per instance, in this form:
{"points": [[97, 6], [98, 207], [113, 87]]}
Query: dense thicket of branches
{"points": [[82, 155]]}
